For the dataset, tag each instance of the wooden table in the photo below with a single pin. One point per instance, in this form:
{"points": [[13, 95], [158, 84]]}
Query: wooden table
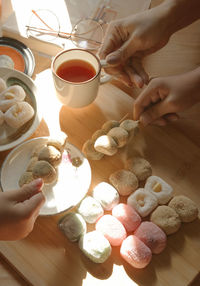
{"points": [[174, 154]]}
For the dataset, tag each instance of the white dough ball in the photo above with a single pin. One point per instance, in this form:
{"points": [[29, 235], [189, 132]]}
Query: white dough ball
{"points": [[10, 96], [6, 62], [1, 117], [18, 114], [3, 85]]}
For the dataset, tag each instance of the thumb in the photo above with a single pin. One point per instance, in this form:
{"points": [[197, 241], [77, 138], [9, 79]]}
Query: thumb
{"points": [[122, 54]]}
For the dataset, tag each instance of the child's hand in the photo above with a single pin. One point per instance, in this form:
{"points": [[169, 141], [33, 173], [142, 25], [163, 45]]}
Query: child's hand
{"points": [[19, 210]]}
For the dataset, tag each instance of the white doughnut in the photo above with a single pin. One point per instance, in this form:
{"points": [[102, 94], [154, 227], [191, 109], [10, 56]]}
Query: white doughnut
{"points": [[3, 85], [18, 114], [142, 201], [106, 195], [159, 188], [90, 209], [1, 117], [95, 246], [10, 96]]}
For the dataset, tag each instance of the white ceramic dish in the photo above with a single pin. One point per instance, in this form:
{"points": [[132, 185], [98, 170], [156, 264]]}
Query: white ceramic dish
{"points": [[10, 137], [69, 189]]}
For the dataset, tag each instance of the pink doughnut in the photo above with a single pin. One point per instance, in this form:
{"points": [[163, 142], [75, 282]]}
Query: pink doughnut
{"points": [[112, 229], [135, 252], [153, 236], [127, 216]]}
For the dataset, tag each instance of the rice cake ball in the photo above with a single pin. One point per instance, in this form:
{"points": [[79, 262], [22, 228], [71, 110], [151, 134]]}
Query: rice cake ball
{"points": [[44, 170], [184, 207], [127, 216], [90, 209], [51, 155], [106, 195], [166, 218], [152, 235], [31, 164], [135, 252], [25, 178], [95, 246], [10, 96], [18, 114], [130, 126], [6, 62], [142, 201], [108, 125], [140, 167], [106, 145], [159, 188], [90, 152], [112, 229], [3, 85], [1, 117], [97, 134], [120, 135], [58, 142], [124, 181], [73, 226]]}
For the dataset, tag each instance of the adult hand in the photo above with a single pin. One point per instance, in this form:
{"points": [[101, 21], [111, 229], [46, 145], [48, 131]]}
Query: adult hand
{"points": [[19, 210], [164, 97]]}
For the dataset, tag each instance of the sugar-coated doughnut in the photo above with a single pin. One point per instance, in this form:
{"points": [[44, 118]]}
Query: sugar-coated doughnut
{"points": [[31, 163], [159, 188], [25, 178], [90, 152], [142, 201], [130, 126], [1, 117], [108, 125], [166, 218], [185, 208], [95, 246], [140, 167], [73, 226], [18, 114], [120, 135], [3, 85], [44, 170], [90, 209], [97, 134], [106, 145], [135, 252], [127, 216], [124, 181], [152, 235], [112, 229], [106, 194], [51, 155]]}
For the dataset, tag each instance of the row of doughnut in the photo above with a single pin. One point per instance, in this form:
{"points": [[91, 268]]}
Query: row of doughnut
{"points": [[13, 109]]}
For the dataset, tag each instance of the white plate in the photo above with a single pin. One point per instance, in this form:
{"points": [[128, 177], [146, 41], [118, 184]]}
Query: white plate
{"points": [[11, 137], [70, 188]]}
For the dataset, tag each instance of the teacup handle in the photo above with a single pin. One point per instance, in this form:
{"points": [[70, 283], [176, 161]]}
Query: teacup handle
{"points": [[104, 77]]}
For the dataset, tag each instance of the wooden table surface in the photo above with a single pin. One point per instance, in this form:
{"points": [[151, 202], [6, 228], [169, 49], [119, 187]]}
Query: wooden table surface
{"points": [[181, 54]]}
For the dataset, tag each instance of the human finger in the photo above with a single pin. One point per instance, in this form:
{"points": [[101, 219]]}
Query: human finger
{"points": [[138, 67], [171, 117], [31, 206], [120, 74], [135, 78]]}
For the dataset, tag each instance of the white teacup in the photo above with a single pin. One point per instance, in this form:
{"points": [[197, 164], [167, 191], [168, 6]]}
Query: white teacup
{"points": [[78, 93]]}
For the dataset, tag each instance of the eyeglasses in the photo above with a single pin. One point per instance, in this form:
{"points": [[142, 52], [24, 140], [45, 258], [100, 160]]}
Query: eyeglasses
{"points": [[87, 33]]}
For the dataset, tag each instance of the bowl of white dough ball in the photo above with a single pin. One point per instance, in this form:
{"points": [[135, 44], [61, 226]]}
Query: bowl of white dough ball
{"points": [[19, 116]]}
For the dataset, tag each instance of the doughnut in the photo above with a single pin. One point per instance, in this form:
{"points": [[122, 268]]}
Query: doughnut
{"points": [[51, 155], [97, 134], [127, 216], [25, 178], [95, 246], [112, 229], [159, 188], [106, 145], [135, 252], [1, 117], [130, 126], [140, 167], [90, 152], [10, 96], [124, 181], [108, 125], [106, 195], [44, 170], [18, 114], [184, 207], [153, 236], [3, 85], [31, 164], [120, 135], [6, 62], [73, 226], [90, 209], [142, 201], [166, 218]]}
